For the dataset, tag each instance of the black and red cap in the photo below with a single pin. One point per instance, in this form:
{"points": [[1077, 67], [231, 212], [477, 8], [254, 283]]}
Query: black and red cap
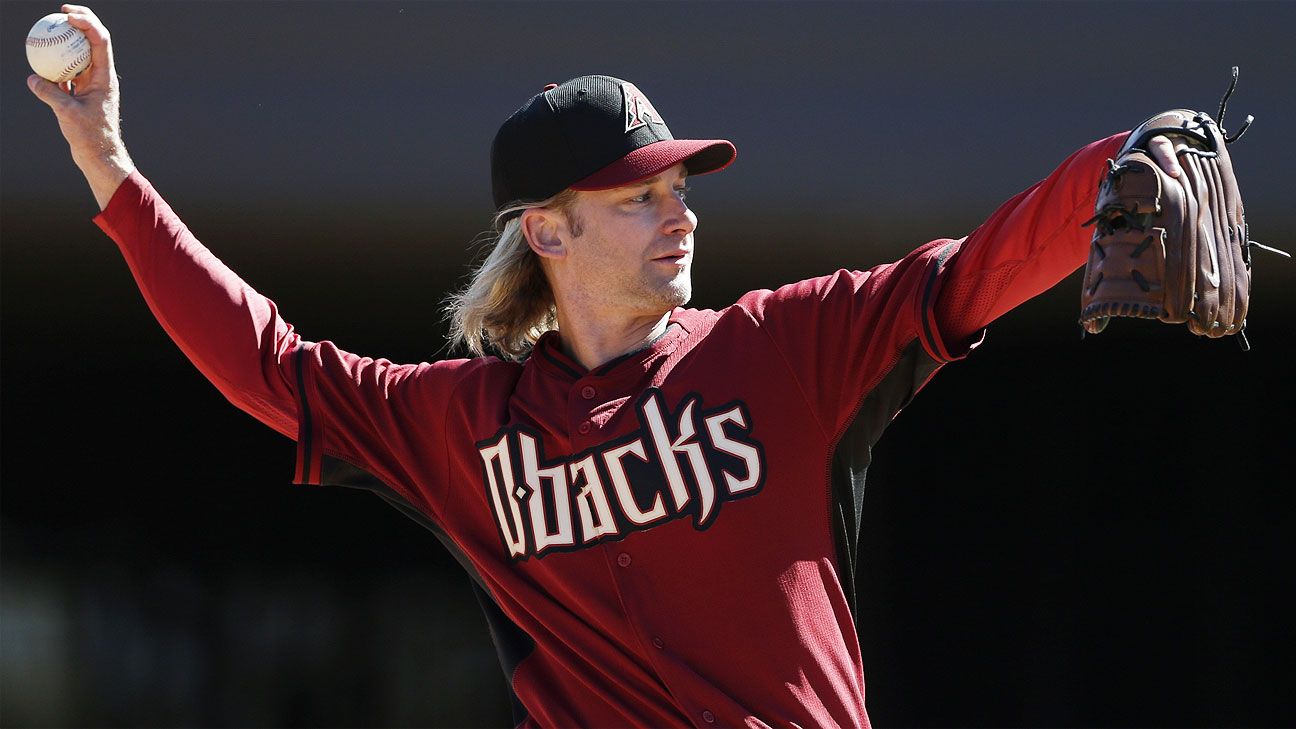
{"points": [[590, 133]]}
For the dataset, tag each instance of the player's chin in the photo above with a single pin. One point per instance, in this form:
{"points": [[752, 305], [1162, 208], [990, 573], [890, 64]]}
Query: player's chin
{"points": [[678, 291], [666, 290]]}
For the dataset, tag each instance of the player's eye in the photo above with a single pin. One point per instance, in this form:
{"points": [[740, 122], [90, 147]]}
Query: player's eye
{"points": [[647, 195]]}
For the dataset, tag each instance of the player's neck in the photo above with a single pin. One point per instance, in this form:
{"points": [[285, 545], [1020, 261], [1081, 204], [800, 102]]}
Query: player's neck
{"points": [[593, 341]]}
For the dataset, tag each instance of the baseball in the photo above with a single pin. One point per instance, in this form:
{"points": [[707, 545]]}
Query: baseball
{"points": [[57, 51]]}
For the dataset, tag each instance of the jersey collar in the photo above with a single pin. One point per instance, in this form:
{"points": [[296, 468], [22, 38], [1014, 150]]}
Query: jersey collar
{"points": [[549, 355]]}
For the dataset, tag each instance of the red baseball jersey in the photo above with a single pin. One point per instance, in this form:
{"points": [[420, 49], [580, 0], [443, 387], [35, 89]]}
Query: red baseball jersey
{"points": [[668, 539]]}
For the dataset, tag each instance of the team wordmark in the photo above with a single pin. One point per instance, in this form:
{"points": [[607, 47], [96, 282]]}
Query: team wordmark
{"points": [[680, 464]]}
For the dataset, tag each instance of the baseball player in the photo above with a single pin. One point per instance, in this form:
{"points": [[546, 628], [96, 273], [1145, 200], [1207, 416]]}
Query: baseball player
{"points": [[658, 506]]}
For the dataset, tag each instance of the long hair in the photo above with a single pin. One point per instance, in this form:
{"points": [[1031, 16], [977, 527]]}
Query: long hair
{"points": [[507, 304]]}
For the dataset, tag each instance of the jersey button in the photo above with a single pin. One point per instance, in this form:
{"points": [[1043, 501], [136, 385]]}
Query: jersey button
{"points": [[659, 643], [583, 428], [708, 717], [623, 559], [588, 392]]}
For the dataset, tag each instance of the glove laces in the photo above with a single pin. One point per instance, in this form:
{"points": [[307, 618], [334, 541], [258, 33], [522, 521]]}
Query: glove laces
{"points": [[1219, 118]]}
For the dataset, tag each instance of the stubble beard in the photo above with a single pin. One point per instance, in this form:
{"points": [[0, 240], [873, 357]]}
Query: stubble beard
{"points": [[657, 297], [678, 291], [661, 297]]}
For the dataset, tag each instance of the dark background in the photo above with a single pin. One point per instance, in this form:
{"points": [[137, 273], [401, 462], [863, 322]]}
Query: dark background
{"points": [[1057, 532]]}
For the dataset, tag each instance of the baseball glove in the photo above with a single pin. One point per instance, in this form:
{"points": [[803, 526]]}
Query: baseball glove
{"points": [[1174, 249]]}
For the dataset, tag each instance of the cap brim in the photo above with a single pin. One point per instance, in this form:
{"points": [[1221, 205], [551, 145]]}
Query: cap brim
{"points": [[699, 156]]}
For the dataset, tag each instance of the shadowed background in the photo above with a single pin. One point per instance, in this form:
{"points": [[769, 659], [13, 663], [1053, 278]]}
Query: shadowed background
{"points": [[1057, 532]]}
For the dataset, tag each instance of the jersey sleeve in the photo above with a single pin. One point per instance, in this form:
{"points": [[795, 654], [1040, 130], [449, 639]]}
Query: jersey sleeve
{"points": [[842, 335], [330, 401]]}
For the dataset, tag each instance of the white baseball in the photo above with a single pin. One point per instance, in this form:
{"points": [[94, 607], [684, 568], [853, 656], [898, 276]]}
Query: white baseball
{"points": [[56, 50]]}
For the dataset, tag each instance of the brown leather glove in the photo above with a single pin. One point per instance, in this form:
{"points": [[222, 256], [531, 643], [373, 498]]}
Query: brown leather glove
{"points": [[1171, 248]]}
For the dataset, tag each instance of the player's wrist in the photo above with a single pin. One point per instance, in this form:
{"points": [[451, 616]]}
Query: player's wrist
{"points": [[104, 170]]}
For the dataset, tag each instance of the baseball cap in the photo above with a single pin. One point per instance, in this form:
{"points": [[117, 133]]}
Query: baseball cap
{"points": [[590, 133]]}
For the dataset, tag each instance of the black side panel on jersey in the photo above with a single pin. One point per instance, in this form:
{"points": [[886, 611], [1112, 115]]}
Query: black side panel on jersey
{"points": [[512, 644], [854, 452]]}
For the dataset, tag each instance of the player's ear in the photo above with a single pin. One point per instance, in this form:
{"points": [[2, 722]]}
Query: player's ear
{"points": [[545, 230]]}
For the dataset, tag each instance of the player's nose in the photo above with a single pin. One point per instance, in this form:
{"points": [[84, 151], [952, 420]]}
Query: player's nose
{"points": [[679, 218]]}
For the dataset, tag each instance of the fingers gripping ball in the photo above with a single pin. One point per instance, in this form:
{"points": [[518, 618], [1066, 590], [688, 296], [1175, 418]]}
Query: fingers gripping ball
{"points": [[1169, 248], [56, 51]]}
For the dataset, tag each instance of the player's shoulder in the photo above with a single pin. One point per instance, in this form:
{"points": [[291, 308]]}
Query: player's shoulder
{"points": [[456, 372], [847, 289], [758, 302]]}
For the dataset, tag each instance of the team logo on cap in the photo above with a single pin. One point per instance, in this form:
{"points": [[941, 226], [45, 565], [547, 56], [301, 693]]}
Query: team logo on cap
{"points": [[639, 110]]}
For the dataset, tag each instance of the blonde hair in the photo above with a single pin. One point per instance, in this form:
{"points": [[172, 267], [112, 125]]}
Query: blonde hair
{"points": [[508, 304]]}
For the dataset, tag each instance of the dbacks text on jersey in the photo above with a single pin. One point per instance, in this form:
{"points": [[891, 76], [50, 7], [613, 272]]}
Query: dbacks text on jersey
{"points": [[674, 465]]}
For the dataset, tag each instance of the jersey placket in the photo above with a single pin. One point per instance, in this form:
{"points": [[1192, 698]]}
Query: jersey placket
{"points": [[592, 407], [588, 414]]}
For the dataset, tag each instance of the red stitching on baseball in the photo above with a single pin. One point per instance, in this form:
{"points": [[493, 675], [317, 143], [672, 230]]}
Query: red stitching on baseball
{"points": [[51, 40]]}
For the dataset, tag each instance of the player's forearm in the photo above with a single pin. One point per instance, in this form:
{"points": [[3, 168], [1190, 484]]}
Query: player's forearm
{"points": [[1027, 246], [1043, 226]]}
